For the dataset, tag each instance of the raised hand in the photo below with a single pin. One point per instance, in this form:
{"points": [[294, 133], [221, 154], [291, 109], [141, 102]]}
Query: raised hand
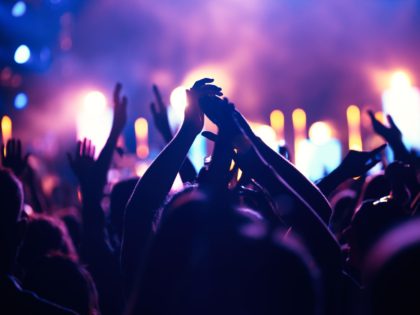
{"points": [[393, 136], [120, 110], [11, 157], [160, 115], [83, 162], [194, 117], [391, 133], [357, 163]]}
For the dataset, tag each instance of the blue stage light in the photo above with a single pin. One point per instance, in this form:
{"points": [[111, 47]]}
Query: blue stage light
{"points": [[21, 100], [19, 9], [22, 54]]}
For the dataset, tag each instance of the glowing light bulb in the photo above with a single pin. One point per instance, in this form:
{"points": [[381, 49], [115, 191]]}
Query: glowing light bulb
{"points": [[178, 100], [320, 133], [353, 121], [22, 54]]}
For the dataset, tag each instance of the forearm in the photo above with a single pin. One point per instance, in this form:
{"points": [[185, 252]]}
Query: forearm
{"points": [[330, 182], [148, 196], [187, 171], [307, 190], [300, 215], [218, 173], [105, 157], [156, 183]]}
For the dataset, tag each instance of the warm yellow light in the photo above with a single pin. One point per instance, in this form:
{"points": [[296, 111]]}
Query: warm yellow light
{"points": [[218, 72], [353, 115], [299, 128], [400, 80], [141, 130], [277, 123], [299, 119], [266, 133], [353, 121], [239, 175], [6, 127], [320, 133], [178, 100], [232, 165]]}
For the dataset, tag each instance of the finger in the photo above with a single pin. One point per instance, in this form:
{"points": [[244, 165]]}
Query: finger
{"points": [[78, 148], [371, 115], [88, 147], [124, 103], [158, 97], [209, 135], [117, 91], [89, 152], [92, 152], [153, 109], [202, 82], [391, 122], [84, 147], [210, 87]]}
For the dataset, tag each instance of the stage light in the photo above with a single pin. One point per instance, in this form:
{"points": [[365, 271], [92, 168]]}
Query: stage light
{"points": [[402, 101], [21, 100], [94, 101], [299, 128], [22, 54], [6, 128], [277, 123], [141, 129], [178, 100], [19, 9], [218, 72], [400, 80], [94, 119], [266, 133], [353, 121], [320, 133]]}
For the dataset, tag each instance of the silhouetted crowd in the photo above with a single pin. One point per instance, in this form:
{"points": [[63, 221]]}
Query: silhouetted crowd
{"points": [[248, 234]]}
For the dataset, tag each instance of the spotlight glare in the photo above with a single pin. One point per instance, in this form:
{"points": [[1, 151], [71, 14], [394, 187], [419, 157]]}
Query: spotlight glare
{"points": [[21, 100], [22, 54], [320, 133], [94, 101], [19, 9], [179, 100], [400, 80], [94, 119]]}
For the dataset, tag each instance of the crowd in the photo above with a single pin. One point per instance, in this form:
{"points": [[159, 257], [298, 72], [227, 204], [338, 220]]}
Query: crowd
{"points": [[266, 242]]}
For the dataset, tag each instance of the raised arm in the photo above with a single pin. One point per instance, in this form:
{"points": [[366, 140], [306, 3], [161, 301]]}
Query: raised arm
{"points": [[392, 135], [12, 157], [293, 208], [96, 252], [286, 170], [161, 121], [355, 164], [154, 186]]}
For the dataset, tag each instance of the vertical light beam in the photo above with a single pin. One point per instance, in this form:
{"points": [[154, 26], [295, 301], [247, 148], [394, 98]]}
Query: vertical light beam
{"points": [[141, 130], [353, 122]]}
